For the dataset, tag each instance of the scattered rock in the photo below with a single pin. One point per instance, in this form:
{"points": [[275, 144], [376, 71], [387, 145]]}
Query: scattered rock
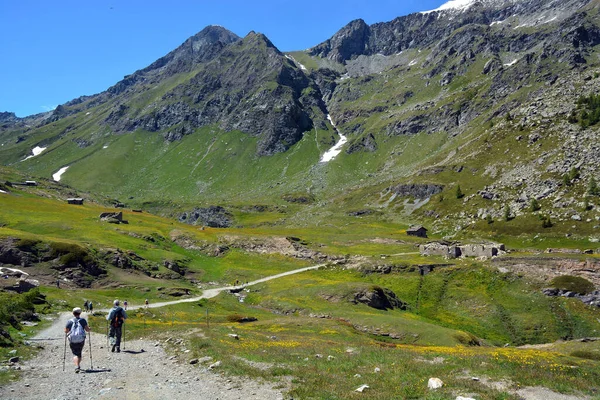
{"points": [[362, 388], [434, 383]]}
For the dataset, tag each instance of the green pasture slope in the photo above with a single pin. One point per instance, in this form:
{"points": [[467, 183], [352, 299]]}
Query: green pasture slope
{"points": [[309, 330]]}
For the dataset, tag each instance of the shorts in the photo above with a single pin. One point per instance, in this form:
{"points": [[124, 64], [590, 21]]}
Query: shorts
{"points": [[76, 348]]}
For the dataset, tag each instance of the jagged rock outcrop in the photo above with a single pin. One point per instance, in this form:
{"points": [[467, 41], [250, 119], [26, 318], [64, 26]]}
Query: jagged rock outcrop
{"points": [[11, 254], [418, 191], [213, 216], [366, 143], [591, 299]]}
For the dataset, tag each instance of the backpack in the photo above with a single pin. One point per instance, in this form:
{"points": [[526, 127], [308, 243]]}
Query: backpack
{"points": [[77, 333], [118, 319]]}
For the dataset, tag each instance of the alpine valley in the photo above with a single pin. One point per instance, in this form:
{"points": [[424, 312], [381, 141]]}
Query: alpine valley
{"points": [[227, 161]]}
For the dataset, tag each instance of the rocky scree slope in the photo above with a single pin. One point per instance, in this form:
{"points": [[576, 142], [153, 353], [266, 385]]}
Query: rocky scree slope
{"points": [[483, 73]]}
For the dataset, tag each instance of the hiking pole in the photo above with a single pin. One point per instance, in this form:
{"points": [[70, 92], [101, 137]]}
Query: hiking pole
{"points": [[123, 335], [91, 361], [107, 345], [65, 352]]}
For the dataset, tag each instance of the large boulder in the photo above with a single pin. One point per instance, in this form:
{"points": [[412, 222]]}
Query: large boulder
{"points": [[11, 254], [112, 217], [379, 298]]}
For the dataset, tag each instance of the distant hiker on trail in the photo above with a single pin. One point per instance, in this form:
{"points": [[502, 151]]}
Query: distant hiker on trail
{"points": [[58, 283], [91, 306], [116, 318], [86, 306], [146, 303], [125, 305], [75, 330]]}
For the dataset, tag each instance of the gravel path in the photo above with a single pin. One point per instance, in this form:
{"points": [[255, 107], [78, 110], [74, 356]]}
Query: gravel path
{"points": [[143, 370]]}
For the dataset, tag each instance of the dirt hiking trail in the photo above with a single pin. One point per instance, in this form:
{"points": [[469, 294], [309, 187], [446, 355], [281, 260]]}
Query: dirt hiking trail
{"points": [[142, 370]]}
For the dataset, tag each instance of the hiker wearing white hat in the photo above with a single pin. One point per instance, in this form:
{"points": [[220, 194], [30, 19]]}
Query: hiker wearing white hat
{"points": [[75, 331]]}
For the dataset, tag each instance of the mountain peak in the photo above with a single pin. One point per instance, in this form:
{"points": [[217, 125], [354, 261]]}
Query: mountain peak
{"points": [[259, 37], [348, 42], [203, 46]]}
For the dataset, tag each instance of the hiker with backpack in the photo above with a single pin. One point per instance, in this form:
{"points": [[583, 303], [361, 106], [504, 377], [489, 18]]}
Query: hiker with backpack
{"points": [[116, 318], [75, 331]]}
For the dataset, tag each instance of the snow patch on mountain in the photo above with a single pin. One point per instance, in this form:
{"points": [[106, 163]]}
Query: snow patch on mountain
{"points": [[335, 150], [37, 150], [302, 67], [463, 5], [57, 175], [460, 5]]}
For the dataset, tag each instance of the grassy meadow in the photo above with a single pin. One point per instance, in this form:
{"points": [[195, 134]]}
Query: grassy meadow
{"points": [[310, 336]]}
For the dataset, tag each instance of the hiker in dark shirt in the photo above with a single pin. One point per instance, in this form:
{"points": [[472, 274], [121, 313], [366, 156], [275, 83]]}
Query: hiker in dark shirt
{"points": [[76, 342], [116, 318]]}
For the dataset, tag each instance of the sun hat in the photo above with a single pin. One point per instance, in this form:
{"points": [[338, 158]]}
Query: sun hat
{"points": [[77, 310], [116, 302]]}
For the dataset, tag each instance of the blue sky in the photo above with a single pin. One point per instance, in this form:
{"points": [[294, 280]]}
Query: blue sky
{"points": [[56, 51]]}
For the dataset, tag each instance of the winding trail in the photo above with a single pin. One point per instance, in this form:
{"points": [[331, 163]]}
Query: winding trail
{"points": [[143, 369], [210, 293]]}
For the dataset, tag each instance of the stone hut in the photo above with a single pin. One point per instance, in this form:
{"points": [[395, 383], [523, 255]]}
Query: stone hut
{"points": [[440, 249], [75, 200], [418, 231], [449, 250]]}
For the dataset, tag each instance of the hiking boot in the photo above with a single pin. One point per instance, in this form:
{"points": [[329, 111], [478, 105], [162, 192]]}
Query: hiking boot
{"points": [[118, 349], [77, 370], [113, 348]]}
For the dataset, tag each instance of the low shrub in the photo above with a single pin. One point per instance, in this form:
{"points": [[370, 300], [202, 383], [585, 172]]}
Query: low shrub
{"points": [[588, 355], [575, 284], [29, 245], [467, 339], [240, 318], [70, 253]]}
